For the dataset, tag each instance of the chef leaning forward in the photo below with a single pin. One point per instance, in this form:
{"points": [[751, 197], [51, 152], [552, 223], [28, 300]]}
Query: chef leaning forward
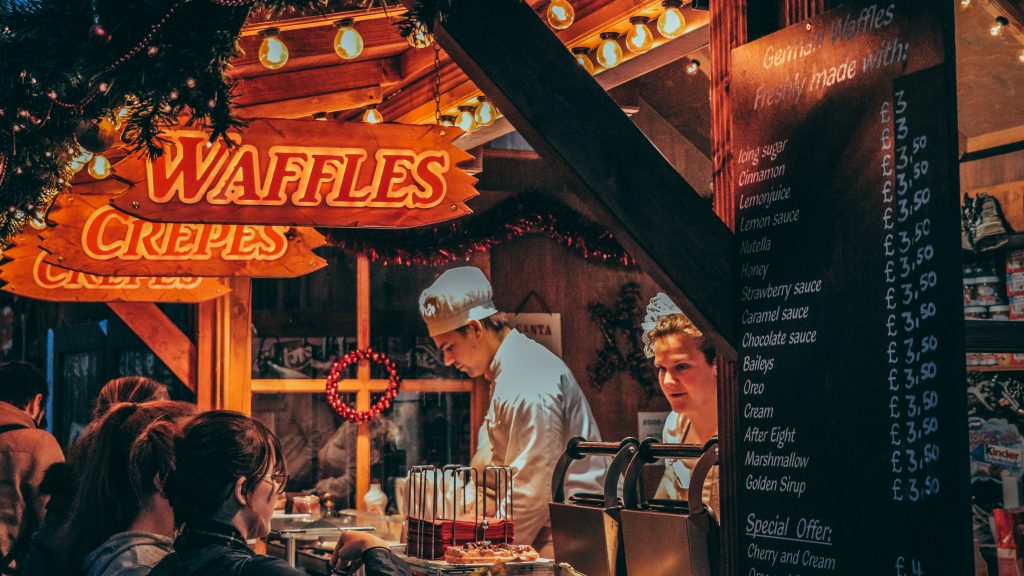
{"points": [[536, 404]]}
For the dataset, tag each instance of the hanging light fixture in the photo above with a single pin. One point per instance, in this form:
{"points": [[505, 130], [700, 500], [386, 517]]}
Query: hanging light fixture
{"points": [[466, 119], [273, 53], [693, 67], [420, 37], [671, 23], [38, 220], [999, 26], [639, 39], [580, 52], [560, 14], [447, 120], [485, 114], [99, 167], [81, 159], [322, 116], [609, 53], [372, 116], [348, 42]]}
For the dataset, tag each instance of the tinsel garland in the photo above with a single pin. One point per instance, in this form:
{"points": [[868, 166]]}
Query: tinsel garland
{"points": [[444, 244]]}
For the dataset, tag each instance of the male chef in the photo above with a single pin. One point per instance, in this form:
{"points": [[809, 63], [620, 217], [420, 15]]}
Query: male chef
{"points": [[536, 405]]}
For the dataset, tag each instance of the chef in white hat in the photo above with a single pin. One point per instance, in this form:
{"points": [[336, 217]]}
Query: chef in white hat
{"points": [[536, 405]]}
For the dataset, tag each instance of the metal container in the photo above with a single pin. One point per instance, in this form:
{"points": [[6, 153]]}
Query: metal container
{"points": [[585, 530], [669, 538]]}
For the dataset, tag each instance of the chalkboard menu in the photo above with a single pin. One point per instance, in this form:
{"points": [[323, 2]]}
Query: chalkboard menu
{"points": [[851, 430]]}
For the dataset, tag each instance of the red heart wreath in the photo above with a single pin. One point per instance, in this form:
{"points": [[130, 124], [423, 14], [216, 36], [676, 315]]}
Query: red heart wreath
{"points": [[382, 404]]}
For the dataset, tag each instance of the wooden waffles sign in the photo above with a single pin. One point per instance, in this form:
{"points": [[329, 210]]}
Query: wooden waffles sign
{"points": [[26, 273], [94, 237], [304, 173]]}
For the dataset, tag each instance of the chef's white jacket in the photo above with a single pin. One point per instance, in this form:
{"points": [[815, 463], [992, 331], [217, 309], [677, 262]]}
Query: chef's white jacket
{"points": [[536, 407]]}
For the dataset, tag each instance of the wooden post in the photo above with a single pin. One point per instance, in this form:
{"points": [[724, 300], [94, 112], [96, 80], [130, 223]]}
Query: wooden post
{"points": [[225, 349], [728, 30], [363, 453]]}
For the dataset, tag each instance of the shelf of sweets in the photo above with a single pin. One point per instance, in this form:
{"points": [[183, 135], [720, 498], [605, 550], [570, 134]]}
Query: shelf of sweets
{"points": [[995, 368], [993, 336]]}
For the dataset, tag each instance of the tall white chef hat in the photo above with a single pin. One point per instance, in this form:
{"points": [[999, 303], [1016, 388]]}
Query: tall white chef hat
{"points": [[456, 297]]}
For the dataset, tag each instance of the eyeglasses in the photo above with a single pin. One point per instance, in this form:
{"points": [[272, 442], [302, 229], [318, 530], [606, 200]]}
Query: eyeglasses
{"points": [[280, 480]]}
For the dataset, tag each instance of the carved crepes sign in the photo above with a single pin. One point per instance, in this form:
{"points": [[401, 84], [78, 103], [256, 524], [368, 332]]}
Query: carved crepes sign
{"points": [[25, 273], [93, 236], [302, 173]]}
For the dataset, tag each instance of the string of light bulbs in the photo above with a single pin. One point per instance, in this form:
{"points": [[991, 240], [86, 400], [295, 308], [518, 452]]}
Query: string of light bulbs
{"points": [[477, 111], [1000, 25]]}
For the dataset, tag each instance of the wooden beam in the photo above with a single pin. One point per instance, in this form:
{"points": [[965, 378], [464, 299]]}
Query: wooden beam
{"points": [[321, 20], [163, 337], [316, 386], [623, 179], [307, 106], [985, 145], [316, 81]]}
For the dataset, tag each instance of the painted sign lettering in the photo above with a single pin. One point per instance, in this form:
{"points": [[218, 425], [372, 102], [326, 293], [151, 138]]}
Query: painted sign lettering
{"points": [[305, 173]]}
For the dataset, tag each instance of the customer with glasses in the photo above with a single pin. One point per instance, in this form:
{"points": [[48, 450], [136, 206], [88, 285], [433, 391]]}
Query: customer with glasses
{"points": [[230, 470]]}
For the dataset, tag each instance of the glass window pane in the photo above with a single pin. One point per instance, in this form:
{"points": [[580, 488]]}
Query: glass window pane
{"points": [[320, 447]]}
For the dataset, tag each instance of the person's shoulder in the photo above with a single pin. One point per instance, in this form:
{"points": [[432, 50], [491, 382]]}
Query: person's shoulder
{"points": [[40, 443], [269, 566]]}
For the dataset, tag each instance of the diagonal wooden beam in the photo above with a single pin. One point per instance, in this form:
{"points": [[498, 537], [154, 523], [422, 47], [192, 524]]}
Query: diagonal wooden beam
{"points": [[610, 164], [631, 69], [163, 337]]}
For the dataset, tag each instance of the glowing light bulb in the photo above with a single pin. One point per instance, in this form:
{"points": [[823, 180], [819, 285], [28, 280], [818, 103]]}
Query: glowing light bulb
{"points": [[273, 53], [447, 120], [485, 114], [671, 23], [693, 67], [639, 39], [420, 36], [560, 14], [581, 56], [999, 26], [37, 221], [372, 115], [1020, 56], [609, 53], [348, 42], [466, 119], [79, 161], [965, 4], [99, 167]]}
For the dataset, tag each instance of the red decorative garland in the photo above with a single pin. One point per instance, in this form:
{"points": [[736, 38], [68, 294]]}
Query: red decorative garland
{"points": [[382, 404]]}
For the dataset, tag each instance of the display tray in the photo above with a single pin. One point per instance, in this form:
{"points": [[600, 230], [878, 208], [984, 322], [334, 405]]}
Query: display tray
{"points": [[540, 567]]}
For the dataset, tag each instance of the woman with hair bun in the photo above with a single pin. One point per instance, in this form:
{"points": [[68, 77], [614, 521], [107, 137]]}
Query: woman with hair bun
{"points": [[230, 470], [685, 361], [134, 389], [120, 522]]}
